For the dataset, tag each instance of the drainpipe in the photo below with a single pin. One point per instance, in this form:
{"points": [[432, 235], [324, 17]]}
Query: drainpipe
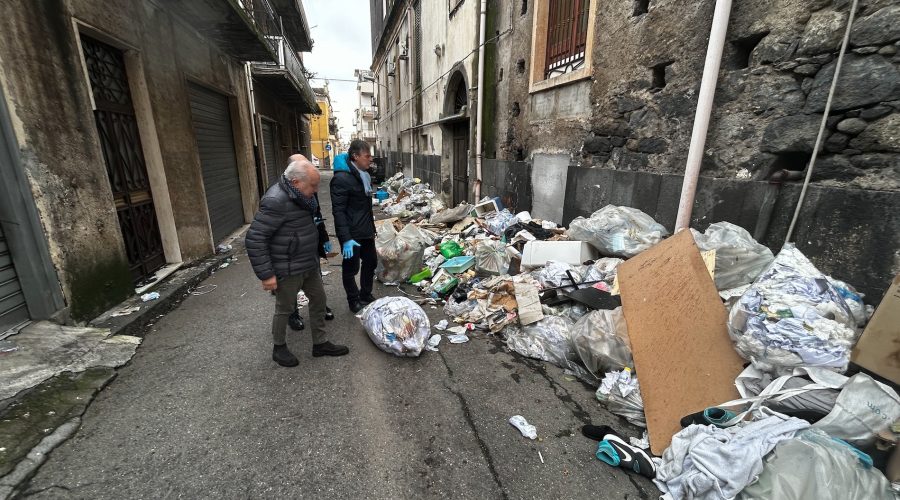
{"points": [[410, 19], [704, 110], [479, 122]]}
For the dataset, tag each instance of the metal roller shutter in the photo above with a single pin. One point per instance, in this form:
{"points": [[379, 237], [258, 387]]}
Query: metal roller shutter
{"points": [[268, 139], [13, 310], [215, 142]]}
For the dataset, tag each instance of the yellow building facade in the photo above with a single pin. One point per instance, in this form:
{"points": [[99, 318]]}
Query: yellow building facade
{"points": [[321, 134]]}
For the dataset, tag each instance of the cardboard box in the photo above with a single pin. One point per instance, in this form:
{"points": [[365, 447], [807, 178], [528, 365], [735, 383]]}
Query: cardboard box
{"points": [[537, 253], [485, 208], [878, 350]]}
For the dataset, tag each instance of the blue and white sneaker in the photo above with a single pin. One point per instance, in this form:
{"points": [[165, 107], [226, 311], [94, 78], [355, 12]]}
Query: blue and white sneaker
{"points": [[614, 451]]}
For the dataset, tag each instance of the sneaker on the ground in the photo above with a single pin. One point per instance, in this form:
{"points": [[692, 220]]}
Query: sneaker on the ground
{"points": [[295, 321], [614, 451], [283, 356], [366, 299], [329, 349], [329, 315], [355, 306]]}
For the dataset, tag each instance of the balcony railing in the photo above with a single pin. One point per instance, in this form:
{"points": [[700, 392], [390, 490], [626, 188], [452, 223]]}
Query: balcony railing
{"points": [[367, 112], [288, 66], [264, 18]]}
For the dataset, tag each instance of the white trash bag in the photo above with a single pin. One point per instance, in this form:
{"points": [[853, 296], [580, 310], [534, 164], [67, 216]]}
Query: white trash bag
{"points": [[397, 326], [491, 258], [400, 254], [618, 231], [739, 258], [601, 340], [792, 316]]}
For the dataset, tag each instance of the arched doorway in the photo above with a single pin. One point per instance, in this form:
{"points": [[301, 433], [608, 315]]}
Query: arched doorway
{"points": [[456, 134]]}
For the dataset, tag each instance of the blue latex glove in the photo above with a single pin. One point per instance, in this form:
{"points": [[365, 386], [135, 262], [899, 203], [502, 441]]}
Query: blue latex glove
{"points": [[327, 247], [348, 248]]}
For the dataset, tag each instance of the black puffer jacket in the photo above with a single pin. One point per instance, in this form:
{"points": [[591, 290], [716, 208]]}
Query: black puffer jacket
{"points": [[351, 206], [283, 239]]}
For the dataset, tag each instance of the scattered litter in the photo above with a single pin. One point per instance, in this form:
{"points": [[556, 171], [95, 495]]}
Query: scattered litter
{"points": [[620, 392], [458, 338], [642, 443], [125, 312], [540, 456], [302, 299], [433, 342], [224, 265], [224, 248], [7, 346], [147, 297], [441, 325], [527, 430], [325, 273], [204, 289]]}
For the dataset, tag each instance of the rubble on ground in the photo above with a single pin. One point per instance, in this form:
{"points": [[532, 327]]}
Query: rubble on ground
{"points": [[551, 293]]}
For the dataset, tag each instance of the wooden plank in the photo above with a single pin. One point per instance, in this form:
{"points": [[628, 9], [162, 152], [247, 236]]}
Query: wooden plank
{"points": [[683, 357]]}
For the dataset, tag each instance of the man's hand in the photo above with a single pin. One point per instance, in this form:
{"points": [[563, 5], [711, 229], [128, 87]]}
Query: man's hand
{"points": [[348, 248], [270, 284], [327, 247]]}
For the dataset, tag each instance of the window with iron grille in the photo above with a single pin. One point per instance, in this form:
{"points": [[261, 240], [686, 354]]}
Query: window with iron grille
{"points": [[567, 29]]}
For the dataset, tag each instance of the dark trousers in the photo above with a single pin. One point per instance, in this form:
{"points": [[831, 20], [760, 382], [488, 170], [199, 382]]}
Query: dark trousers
{"points": [[365, 253], [286, 302]]}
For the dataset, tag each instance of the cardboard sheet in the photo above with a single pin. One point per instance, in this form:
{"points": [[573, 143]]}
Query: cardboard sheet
{"points": [[529, 303], [684, 359], [878, 349]]}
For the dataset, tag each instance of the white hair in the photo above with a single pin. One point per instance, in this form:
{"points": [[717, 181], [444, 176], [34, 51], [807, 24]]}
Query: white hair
{"points": [[298, 170]]}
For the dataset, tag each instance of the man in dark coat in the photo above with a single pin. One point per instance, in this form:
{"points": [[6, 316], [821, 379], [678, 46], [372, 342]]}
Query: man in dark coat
{"points": [[351, 204], [282, 244]]}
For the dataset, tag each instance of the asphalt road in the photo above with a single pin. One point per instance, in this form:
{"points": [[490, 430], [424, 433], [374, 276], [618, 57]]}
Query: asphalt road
{"points": [[202, 411]]}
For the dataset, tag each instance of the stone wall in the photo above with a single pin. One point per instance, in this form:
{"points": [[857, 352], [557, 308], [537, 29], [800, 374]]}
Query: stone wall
{"points": [[779, 59]]}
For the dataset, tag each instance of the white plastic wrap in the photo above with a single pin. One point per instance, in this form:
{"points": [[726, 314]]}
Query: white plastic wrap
{"points": [[793, 316], [621, 393], [618, 231], [491, 258], [400, 254], [739, 258], [497, 222], [603, 270], [556, 274], [396, 325], [549, 340], [451, 215], [601, 341]]}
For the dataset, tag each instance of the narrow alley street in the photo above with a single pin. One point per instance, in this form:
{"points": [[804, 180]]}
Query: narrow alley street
{"points": [[202, 411]]}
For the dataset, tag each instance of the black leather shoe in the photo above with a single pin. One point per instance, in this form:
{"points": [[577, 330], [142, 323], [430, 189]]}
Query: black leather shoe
{"points": [[329, 349], [328, 314], [295, 321], [366, 299], [282, 356], [356, 306]]}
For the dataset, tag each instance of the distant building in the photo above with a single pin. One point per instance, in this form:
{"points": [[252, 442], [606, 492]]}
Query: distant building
{"points": [[323, 129], [366, 111]]}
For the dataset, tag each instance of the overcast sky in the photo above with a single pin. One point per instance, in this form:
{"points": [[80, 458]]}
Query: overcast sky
{"points": [[341, 32]]}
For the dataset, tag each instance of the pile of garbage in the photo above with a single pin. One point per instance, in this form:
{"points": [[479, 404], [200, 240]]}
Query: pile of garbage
{"points": [[552, 294]]}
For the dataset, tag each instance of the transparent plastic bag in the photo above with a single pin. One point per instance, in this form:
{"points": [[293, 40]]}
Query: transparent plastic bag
{"points": [[601, 341], [400, 254], [620, 392], [491, 258], [497, 222], [451, 215], [793, 316], [618, 231], [548, 339], [739, 258], [557, 274], [813, 466], [603, 270], [397, 326]]}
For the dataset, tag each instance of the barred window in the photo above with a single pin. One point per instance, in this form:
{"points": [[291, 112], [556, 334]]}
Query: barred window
{"points": [[566, 36]]}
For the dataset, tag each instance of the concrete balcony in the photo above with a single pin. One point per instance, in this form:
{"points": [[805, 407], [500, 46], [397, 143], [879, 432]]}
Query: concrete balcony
{"points": [[367, 112], [367, 135], [285, 77], [293, 20], [241, 28]]}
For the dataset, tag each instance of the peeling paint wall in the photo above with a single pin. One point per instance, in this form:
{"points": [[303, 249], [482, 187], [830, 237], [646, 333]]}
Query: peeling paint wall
{"points": [[49, 98]]}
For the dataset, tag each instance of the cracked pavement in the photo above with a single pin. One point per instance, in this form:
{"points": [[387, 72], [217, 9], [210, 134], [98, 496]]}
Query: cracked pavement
{"points": [[203, 411]]}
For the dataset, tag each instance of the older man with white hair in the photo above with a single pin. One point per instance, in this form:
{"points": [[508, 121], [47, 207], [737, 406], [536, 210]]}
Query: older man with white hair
{"points": [[282, 244]]}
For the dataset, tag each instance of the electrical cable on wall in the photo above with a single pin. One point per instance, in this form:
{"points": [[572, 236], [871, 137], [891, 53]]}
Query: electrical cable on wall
{"points": [[815, 153]]}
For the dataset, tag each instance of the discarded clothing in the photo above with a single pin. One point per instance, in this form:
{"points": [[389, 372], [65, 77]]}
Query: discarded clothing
{"points": [[814, 466], [793, 316], [618, 231], [706, 462]]}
